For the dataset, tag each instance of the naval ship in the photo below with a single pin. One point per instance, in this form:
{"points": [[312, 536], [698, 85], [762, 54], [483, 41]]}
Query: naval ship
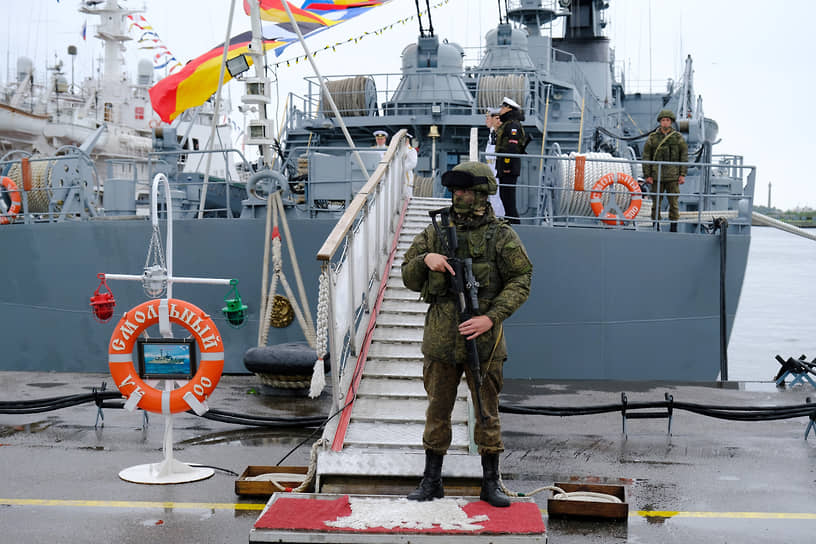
{"points": [[613, 296]]}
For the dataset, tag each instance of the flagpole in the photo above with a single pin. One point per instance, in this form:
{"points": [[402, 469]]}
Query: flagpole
{"points": [[325, 92], [215, 116]]}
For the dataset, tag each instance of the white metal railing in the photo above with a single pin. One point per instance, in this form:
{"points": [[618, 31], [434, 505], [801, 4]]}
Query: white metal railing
{"points": [[353, 260]]}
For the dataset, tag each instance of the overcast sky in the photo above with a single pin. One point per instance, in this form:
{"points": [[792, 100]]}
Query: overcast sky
{"points": [[752, 59]]}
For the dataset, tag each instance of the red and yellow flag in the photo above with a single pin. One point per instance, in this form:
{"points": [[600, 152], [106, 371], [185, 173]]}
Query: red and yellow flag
{"points": [[273, 10], [198, 79]]}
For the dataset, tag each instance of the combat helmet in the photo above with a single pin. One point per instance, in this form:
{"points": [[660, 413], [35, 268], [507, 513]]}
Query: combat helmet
{"points": [[666, 113], [473, 175]]}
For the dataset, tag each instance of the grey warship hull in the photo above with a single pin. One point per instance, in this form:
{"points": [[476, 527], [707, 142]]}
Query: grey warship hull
{"points": [[597, 310]]}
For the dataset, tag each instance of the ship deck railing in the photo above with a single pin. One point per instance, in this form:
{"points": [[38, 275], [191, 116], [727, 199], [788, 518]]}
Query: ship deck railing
{"points": [[69, 187], [429, 96], [553, 196]]}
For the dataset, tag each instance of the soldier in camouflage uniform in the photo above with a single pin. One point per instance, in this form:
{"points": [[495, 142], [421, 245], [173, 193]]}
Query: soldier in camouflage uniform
{"points": [[504, 271], [666, 144]]}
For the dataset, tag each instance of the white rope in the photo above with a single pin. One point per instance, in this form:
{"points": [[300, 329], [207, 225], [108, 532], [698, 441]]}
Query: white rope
{"points": [[310, 474], [275, 478], [273, 286], [321, 342], [279, 276], [560, 494]]}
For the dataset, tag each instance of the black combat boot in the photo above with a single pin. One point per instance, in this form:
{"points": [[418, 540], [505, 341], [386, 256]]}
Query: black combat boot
{"points": [[673, 227], [430, 487], [491, 489]]}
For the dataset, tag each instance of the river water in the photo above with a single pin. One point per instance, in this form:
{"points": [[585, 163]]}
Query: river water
{"points": [[776, 309]]}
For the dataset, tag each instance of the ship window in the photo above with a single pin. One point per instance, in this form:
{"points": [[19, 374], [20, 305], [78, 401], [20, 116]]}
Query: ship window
{"points": [[108, 112], [195, 144]]}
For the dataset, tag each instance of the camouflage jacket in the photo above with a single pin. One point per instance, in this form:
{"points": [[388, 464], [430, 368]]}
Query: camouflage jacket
{"points": [[503, 270], [671, 148]]}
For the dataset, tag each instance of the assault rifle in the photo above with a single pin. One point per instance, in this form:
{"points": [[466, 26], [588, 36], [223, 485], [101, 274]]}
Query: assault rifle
{"points": [[464, 286]]}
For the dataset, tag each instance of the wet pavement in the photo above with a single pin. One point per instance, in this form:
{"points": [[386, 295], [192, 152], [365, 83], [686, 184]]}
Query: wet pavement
{"points": [[711, 481]]}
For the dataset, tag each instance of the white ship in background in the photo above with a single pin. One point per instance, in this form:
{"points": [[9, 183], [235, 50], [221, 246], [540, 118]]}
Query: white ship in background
{"points": [[110, 118]]}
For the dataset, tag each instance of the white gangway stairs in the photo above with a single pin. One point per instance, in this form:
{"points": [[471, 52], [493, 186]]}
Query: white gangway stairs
{"points": [[372, 327], [382, 448]]}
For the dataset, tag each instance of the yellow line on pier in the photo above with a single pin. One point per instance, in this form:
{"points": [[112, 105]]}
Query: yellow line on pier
{"points": [[722, 515], [135, 504]]}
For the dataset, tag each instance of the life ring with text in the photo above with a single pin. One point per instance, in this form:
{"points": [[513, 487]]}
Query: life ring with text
{"points": [[16, 201], [154, 123], [596, 202], [210, 359]]}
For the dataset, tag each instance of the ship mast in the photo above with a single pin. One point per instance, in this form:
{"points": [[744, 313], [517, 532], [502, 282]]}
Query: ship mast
{"points": [[111, 30]]}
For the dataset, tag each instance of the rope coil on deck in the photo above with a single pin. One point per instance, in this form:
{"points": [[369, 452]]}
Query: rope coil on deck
{"points": [[560, 494]]}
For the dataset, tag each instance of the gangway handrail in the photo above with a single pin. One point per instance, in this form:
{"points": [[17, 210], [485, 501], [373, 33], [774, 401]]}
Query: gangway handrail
{"points": [[353, 262], [338, 233]]}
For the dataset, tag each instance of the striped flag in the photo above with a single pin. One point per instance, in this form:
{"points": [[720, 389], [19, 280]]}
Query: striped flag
{"points": [[312, 17], [198, 79]]}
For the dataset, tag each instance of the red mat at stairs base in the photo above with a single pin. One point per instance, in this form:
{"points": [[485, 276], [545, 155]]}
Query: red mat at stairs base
{"points": [[303, 514]]}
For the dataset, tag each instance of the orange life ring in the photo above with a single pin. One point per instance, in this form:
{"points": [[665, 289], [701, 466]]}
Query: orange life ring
{"points": [[154, 123], [608, 180], [210, 361], [16, 201]]}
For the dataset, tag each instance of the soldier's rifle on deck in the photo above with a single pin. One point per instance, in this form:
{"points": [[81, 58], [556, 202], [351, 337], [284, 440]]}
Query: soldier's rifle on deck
{"points": [[465, 288]]}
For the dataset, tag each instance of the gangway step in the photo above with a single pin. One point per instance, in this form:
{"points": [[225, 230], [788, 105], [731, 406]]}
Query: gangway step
{"points": [[357, 469], [400, 319], [387, 387], [401, 293], [399, 435], [382, 351], [397, 334], [400, 410], [404, 369], [404, 306], [353, 460]]}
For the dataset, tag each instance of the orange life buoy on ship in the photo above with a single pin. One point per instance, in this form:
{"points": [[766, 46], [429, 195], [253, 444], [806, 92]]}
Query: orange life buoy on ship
{"points": [[210, 360], [16, 201], [596, 202], [154, 123]]}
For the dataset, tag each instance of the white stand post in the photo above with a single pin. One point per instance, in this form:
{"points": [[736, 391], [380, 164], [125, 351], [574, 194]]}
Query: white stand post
{"points": [[170, 470]]}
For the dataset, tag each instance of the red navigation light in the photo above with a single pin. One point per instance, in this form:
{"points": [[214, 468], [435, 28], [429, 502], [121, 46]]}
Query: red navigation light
{"points": [[102, 303]]}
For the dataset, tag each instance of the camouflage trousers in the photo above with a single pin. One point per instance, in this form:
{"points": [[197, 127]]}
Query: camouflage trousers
{"points": [[673, 188], [441, 382]]}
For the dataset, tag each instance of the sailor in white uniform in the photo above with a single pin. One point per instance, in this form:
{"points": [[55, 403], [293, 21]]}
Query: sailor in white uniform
{"points": [[410, 162], [492, 122]]}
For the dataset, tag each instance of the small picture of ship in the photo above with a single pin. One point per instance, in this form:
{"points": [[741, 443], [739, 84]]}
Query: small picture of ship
{"points": [[166, 359]]}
